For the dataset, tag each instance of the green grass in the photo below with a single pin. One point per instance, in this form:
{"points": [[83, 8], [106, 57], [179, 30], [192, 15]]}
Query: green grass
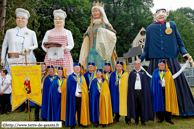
{"points": [[180, 123]]}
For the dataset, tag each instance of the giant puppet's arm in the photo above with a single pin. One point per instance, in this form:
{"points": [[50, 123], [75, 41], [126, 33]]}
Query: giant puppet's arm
{"points": [[181, 70], [146, 72], [4, 48], [70, 41], [176, 74], [180, 43], [146, 48], [45, 39]]}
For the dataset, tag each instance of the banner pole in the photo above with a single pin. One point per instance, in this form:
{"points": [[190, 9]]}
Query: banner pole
{"points": [[28, 99]]}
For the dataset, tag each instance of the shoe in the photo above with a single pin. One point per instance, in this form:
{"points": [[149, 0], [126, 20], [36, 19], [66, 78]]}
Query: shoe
{"points": [[36, 120], [104, 126], [115, 121], [136, 123], [20, 110], [129, 123], [7, 113], [143, 123], [160, 121], [72, 127], [1, 113], [26, 111], [44, 119], [170, 122]]}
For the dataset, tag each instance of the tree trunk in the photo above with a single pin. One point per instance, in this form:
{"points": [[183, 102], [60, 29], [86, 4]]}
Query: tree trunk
{"points": [[3, 12]]}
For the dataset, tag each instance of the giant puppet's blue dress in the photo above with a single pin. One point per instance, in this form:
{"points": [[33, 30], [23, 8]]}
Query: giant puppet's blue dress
{"points": [[54, 102], [93, 54]]}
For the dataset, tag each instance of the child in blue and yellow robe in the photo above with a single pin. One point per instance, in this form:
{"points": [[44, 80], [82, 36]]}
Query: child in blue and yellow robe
{"points": [[100, 104]]}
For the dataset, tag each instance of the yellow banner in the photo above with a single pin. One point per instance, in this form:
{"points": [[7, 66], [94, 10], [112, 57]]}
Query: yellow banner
{"points": [[26, 84]]}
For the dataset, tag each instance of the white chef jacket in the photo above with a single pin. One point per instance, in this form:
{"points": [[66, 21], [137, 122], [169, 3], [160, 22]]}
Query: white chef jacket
{"points": [[18, 39]]}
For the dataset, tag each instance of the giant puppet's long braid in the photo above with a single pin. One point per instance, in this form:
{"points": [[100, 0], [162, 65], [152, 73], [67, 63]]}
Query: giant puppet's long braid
{"points": [[91, 27]]}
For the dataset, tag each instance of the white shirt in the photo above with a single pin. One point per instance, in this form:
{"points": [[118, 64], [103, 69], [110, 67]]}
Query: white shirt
{"points": [[4, 82], [138, 81], [14, 38], [78, 88], [70, 41]]}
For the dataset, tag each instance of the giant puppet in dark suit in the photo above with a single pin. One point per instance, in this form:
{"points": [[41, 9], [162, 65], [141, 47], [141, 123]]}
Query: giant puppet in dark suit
{"points": [[164, 42]]}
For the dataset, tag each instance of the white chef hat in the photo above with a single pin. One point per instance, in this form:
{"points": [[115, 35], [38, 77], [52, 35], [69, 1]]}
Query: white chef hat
{"points": [[22, 12], [59, 12]]}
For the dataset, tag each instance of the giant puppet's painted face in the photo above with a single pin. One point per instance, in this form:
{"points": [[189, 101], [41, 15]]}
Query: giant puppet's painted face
{"points": [[21, 21], [59, 22], [161, 15], [96, 14]]}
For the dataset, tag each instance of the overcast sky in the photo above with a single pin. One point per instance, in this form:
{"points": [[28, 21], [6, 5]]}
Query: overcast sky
{"points": [[172, 4]]}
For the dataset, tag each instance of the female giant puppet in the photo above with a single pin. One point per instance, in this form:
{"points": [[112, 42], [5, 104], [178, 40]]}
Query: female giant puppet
{"points": [[164, 42], [99, 40], [59, 56]]}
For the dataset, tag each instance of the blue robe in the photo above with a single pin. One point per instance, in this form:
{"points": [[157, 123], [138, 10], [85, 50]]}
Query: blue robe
{"points": [[45, 95], [114, 92], [54, 102], [86, 76], [147, 110], [94, 103]]}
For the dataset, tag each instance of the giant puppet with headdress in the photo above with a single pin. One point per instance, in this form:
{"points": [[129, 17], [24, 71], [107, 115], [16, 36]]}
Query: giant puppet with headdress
{"points": [[163, 41], [99, 40]]}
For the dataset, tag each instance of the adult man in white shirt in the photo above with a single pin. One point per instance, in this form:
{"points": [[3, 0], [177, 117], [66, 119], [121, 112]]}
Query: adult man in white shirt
{"points": [[20, 41], [139, 102]]}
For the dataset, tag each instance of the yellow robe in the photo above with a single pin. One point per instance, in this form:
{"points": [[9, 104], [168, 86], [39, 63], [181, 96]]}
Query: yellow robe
{"points": [[63, 99], [171, 102], [105, 106], [84, 120], [123, 90]]}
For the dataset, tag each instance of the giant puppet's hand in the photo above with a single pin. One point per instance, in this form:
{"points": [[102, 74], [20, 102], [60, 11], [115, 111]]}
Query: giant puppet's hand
{"points": [[2, 62], [25, 51], [190, 59]]}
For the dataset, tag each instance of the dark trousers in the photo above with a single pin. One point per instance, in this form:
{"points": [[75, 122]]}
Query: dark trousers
{"points": [[5, 103], [117, 116], [164, 114], [36, 112], [78, 101], [138, 106]]}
